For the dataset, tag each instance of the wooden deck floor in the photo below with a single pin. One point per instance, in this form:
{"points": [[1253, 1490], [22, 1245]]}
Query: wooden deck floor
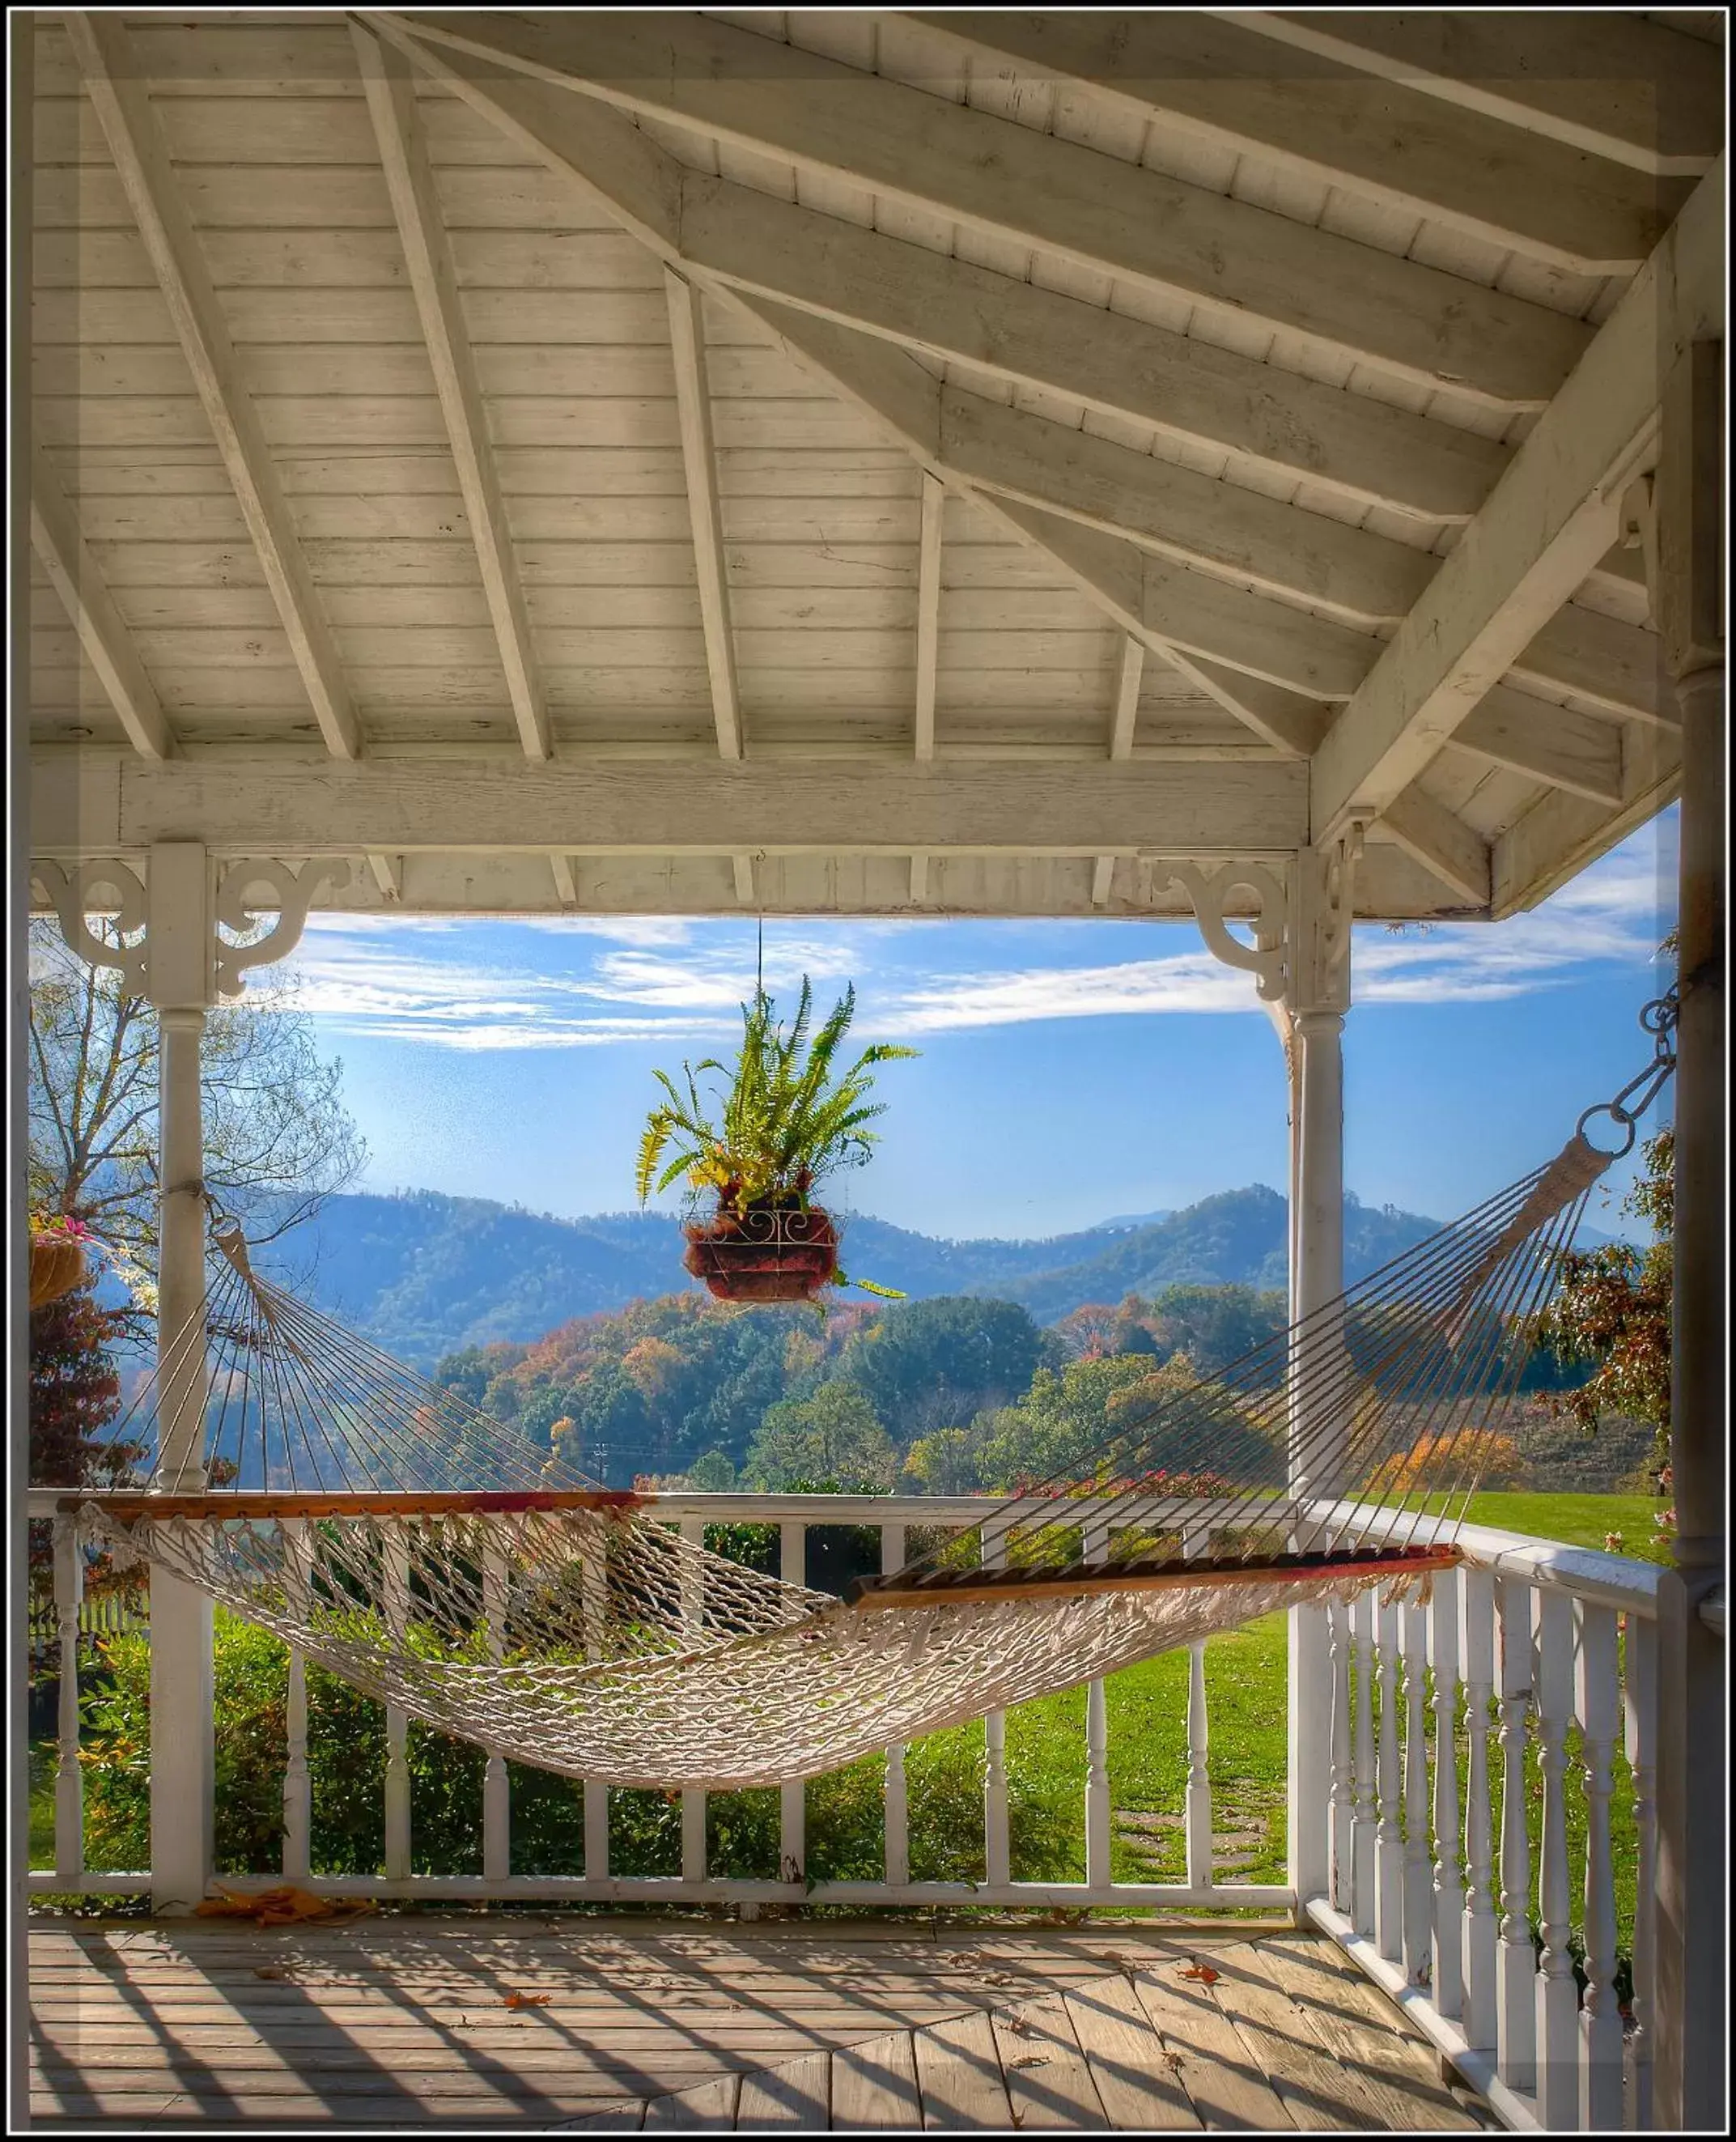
{"points": [[397, 2020]]}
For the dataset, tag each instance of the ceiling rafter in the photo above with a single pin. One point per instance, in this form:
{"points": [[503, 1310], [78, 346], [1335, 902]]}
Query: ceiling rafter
{"points": [[1222, 82], [1574, 752], [114, 82], [996, 175], [102, 632], [1599, 79], [390, 94], [1441, 840], [1122, 722], [1547, 524]]}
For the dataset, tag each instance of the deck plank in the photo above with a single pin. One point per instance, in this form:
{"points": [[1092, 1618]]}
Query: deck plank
{"points": [[1048, 2081], [1221, 2073], [1129, 2060], [792, 2099], [873, 2084], [959, 2075], [711, 2109], [1320, 2094]]}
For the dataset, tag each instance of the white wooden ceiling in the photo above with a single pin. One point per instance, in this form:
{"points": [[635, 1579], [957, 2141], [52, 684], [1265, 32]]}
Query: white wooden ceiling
{"points": [[1018, 434]]}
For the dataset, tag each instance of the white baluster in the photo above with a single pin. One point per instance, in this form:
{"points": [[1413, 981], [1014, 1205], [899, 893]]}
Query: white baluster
{"points": [[792, 1798], [1516, 1959], [1418, 1887], [496, 1786], [68, 1780], [1557, 1997], [898, 1802], [1388, 1843], [298, 1778], [1196, 1541], [1641, 1729], [1596, 1705], [593, 1613], [1338, 1804], [1447, 1958], [1095, 1548], [693, 1615], [1361, 1776], [1476, 1654], [997, 1841], [397, 1593]]}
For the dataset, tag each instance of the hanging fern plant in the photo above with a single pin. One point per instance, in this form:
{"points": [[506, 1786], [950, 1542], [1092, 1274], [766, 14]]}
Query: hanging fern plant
{"points": [[786, 1118]]}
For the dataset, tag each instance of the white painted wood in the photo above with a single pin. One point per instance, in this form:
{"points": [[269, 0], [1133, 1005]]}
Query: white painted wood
{"points": [[1611, 84], [1571, 751], [1196, 1806], [997, 1841], [496, 1785], [687, 337], [1639, 1716], [1606, 663], [1002, 178], [112, 82], [927, 616], [1111, 362], [408, 806], [395, 1595], [1446, 1947], [1517, 1966], [897, 1794], [1545, 526], [107, 643], [1094, 1546], [1445, 846], [1221, 83], [1339, 1802], [1479, 1932], [1388, 1844], [1122, 723], [566, 889], [792, 1799], [388, 874], [394, 108], [69, 1848], [1363, 1825], [298, 1778], [1418, 1906], [693, 1797], [1558, 2086], [1597, 1711]]}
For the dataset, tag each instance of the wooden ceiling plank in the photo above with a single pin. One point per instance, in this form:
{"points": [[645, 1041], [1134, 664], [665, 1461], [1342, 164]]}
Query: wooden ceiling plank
{"points": [[1574, 752], [130, 125], [1544, 528], [1443, 844], [290, 804], [1613, 665], [700, 459], [996, 175], [1599, 79], [927, 613], [1219, 82], [108, 645], [1122, 723], [392, 107]]}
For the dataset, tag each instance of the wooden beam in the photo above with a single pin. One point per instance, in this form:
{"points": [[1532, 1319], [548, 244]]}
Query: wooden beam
{"points": [[566, 889], [92, 804], [114, 81], [692, 395], [927, 613], [1219, 82], [1574, 751], [742, 866], [1615, 666], [995, 175], [1111, 362], [392, 105], [1122, 723], [388, 874], [1600, 80], [108, 645], [1443, 844], [1545, 526], [1562, 833]]}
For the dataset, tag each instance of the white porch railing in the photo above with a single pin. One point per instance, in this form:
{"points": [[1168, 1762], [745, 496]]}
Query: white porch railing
{"points": [[1525, 1680]]}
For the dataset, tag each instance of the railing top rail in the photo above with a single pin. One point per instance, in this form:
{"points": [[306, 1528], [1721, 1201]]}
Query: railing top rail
{"points": [[1605, 1580]]}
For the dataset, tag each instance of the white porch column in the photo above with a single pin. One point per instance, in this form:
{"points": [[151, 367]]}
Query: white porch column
{"points": [[1318, 996], [178, 979], [1691, 2081]]}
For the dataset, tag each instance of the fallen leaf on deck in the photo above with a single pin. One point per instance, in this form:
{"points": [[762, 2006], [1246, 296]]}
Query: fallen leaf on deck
{"points": [[527, 2000], [273, 1971], [1019, 2026], [1203, 1971], [1032, 2060], [283, 1907]]}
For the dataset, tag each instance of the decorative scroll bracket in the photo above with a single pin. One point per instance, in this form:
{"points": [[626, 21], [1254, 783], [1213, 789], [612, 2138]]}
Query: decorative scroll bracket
{"points": [[292, 895], [1300, 955], [1208, 890], [71, 893]]}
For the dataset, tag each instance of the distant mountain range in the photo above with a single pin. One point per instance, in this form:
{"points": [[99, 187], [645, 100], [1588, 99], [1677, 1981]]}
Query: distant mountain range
{"points": [[424, 1273]]}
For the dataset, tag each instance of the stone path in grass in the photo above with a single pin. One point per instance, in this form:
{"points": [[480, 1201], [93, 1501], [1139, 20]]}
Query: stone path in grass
{"points": [[1157, 1843]]}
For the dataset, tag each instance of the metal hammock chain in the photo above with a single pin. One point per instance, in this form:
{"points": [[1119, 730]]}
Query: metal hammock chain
{"points": [[1659, 1019]]}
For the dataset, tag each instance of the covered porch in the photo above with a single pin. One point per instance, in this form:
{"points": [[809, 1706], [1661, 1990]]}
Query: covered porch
{"points": [[1261, 472]]}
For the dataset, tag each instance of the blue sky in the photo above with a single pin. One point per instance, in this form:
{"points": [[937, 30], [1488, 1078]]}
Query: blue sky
{"points": [[1070, 1071]]}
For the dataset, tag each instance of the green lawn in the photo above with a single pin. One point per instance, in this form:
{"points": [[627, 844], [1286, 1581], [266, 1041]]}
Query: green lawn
{"points": [[1579, 1520]]}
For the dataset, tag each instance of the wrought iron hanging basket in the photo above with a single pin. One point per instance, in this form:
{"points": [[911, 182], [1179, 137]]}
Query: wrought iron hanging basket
{"points": [[56, 1267], [766, 1253]]}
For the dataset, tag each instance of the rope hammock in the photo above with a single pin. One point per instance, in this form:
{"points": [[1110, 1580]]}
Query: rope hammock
{"points": [[416, 1545]]}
